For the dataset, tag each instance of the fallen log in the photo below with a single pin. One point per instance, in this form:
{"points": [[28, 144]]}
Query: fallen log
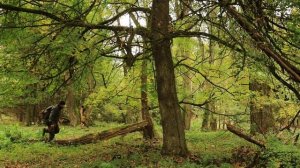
{"points": [[92, 138], [243, 135]]}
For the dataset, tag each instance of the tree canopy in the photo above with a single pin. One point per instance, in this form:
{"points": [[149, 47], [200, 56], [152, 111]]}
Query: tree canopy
{"points": [[216, 56]]}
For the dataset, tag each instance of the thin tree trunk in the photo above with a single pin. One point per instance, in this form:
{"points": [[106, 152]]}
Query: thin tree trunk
{"points": [[174, 142], [70, 102], [28, 114], [182, 9], [212, 104], [209, 119], [187, 85], [205, 121], [148, 132]]}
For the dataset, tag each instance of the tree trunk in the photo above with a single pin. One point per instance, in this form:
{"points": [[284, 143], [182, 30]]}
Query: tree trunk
{"points": [[148, 132], [70, 102], [209, 119], [182, 10], [187, 86], [213, 118], [212, 104], [174, 142], [21, 115], [28, 114], [104, 135], [187, 116], [243, 135], [261, 116], [205, 121]]}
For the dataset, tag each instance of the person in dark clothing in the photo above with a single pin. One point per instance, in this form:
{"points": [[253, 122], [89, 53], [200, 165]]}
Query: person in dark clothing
{"points": [[52, 123]]}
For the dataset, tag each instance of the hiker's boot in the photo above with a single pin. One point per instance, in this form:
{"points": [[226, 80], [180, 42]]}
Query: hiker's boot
{"points": [[51, 137]]}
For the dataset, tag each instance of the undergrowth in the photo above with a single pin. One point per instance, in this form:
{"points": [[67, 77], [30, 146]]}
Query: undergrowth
{"points": [[19, 148]]}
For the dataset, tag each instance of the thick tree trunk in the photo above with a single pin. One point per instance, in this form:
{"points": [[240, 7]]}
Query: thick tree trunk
{"points": [[261, 116], [148, 132], [174, 142]]}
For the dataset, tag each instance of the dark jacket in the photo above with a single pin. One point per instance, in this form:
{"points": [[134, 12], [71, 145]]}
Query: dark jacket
{"points": [[55, 113]]}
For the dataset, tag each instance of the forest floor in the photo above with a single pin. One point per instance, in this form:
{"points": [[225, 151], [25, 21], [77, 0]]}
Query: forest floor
{"points": [[208, 149]]}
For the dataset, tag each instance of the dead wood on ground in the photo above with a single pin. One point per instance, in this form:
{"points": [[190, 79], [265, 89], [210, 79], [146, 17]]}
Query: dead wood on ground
{"points": [[245, 136], [92, 138]]}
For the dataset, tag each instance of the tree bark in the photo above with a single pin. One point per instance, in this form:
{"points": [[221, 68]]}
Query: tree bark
{"points": [[241, 134], [205, 121], [181, 9], [104, 135], [261, 116], [209, 119], [148, 132], [174, 142], [70, 102]]}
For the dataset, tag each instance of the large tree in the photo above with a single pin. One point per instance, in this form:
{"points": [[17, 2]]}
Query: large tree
{"points": [[172, 121], [58, 30], [53, 14]]}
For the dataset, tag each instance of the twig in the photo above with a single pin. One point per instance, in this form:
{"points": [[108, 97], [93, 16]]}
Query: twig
{"points": [[290, 124]]}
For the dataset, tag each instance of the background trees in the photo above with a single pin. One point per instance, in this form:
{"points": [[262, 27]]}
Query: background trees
{"points": [[200, 57]]}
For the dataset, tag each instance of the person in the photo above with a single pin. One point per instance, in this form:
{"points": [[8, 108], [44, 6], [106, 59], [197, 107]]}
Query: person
{"points": [[83, 117], [52, 123]]}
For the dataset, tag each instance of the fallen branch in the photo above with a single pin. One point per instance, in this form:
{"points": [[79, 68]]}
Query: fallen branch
{"points": [[92, 138], [243, 135]]}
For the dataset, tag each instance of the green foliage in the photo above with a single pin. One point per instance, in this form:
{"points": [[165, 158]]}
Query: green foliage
{"points": [[130, 150], [35, 63], [209, 149], [278, 154]]}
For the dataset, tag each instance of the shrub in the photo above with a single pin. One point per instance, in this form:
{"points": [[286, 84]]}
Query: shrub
{"points": [[278, 154]]}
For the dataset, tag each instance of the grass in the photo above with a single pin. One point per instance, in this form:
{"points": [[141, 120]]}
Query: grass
{"points": [[208, 149]]}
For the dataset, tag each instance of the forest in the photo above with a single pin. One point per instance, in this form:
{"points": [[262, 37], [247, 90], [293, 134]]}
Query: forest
{"points": [[149, 83]]}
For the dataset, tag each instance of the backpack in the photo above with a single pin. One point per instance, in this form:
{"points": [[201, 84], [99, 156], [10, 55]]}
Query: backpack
{"points": [[45, 114]]}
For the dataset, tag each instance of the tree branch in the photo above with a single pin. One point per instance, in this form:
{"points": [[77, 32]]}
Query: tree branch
{"points": [[203, 34], [33, 11], [262, 43]]}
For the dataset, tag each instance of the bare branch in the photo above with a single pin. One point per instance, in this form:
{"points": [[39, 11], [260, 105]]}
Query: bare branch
{"points": [[33, 11]]}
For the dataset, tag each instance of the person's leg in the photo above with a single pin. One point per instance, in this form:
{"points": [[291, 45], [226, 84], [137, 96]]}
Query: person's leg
{"points": [[56, 129], [46, 130], [51, 130], [51, 136]]}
